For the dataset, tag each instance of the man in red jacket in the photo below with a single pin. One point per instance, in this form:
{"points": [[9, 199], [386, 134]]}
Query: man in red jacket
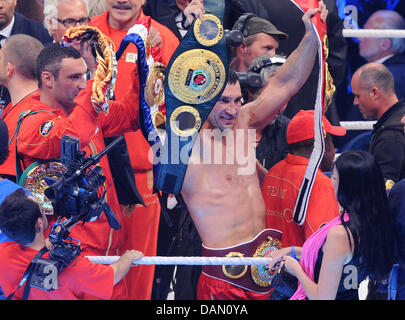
{"points": [[142, 225], [66, 108], [17, 73], [282, 183]]}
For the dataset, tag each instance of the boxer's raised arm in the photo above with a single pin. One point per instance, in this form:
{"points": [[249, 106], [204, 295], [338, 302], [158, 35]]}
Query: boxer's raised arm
{"points": [[289, 79]]}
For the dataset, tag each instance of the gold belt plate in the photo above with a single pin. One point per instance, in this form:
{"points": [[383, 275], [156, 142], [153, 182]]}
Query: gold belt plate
{"points": [[196, 76], [260, 275]]}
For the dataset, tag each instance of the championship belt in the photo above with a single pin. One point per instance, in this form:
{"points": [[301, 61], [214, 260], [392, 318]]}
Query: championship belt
{"points": [[152, 111], [33, 178], [195, 78], [324, 96], [253, 278]]}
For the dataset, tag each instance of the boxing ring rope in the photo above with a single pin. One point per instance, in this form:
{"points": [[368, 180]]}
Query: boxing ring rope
{"points": [[357, 125], [373, 33], [203, 261]]}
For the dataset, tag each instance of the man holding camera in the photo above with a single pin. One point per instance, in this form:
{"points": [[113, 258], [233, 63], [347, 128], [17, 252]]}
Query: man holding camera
{"points": [[22, 221]]}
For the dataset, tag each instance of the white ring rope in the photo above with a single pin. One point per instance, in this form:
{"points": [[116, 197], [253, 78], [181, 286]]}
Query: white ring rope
{"points": [[357, 125], [373, 33], [202, 261]]}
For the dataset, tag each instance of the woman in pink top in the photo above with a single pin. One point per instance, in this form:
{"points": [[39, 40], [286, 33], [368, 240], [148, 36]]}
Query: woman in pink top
{"points": [[357, 244]]}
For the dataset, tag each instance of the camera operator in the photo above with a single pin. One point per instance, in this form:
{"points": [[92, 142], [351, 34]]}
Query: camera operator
{"points": [[22, 221]]}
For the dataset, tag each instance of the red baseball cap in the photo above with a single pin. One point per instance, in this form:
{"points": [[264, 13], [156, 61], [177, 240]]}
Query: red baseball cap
{"points": [[301, 127]]}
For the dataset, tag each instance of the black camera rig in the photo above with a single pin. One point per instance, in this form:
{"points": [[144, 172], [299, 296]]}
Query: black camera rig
{"points": [[75, 198]]}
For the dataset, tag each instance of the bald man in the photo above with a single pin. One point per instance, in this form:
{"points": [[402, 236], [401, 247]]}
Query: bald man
{"points": [[374, 94]]}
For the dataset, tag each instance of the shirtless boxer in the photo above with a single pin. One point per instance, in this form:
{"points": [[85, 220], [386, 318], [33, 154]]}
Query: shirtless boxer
{"points": [[225, 200]]}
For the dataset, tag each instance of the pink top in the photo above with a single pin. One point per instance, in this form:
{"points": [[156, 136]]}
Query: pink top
{"points": [[310, 251]]}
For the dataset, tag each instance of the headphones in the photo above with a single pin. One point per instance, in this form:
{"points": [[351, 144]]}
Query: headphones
{"points": [[241, 22], [257, 68]]}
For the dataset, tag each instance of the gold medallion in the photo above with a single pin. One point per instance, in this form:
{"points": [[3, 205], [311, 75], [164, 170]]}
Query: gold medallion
{"points": [[208, 32], [33, 180], [260, 275], [159, 121], [185, 121], [155, 89], [233, 271], [389, 184], [325, 47], [196, 76]]}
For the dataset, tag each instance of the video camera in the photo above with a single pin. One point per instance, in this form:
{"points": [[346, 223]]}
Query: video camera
{"points": [[75, 197], [249, 80]]}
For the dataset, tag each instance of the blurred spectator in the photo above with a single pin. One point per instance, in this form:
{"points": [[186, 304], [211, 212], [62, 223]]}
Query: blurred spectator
{"points": [[170, 14], [96, 7], [388, 51], [32, 9], [12, 22], [62, 14], [22, 220]]}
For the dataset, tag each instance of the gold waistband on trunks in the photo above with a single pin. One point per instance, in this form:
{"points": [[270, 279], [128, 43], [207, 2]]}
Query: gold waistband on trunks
{"points": [[259, 280]]}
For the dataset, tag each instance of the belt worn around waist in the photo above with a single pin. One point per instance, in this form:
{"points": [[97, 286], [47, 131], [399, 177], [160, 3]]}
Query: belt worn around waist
{"points": [[252, 278]]}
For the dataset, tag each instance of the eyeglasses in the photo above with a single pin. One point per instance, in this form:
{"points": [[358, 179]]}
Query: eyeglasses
{"points": [[72, 22]]}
